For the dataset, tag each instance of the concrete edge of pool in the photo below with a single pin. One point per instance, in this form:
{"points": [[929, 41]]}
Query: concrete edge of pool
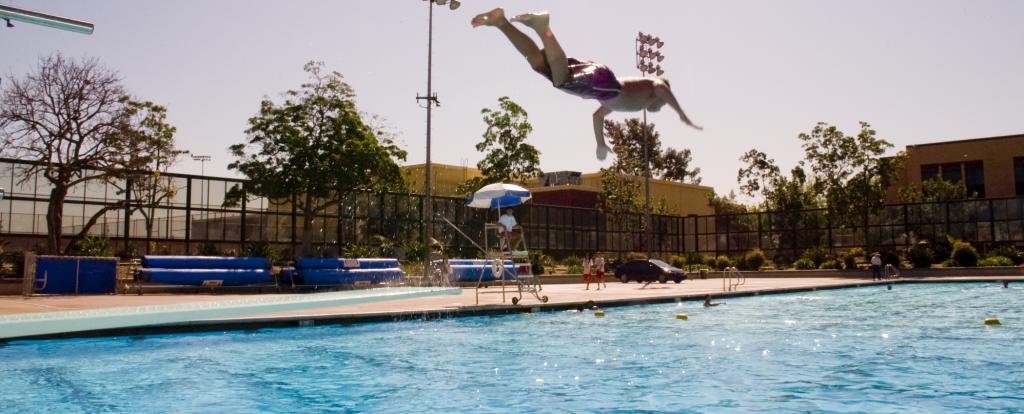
{"points": [[265, 322]]}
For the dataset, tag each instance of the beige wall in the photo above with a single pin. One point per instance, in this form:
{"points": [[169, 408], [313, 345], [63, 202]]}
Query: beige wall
{"points": [[681, 199], [445, 178], [996, 155]]}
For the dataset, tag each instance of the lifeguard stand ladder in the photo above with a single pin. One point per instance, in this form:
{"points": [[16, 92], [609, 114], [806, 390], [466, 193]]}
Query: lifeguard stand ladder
{"points": [[512, 248]]}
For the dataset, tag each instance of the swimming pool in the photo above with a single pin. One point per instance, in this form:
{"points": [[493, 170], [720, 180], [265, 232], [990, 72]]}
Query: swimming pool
{"points": [[916, 348]]}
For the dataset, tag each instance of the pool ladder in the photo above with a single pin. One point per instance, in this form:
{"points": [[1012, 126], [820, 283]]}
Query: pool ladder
{"points": [[891, 272], [732, 279]]}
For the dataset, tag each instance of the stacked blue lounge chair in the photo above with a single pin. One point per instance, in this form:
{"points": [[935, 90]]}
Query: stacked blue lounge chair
{"points": [[195, 270], [318, 271], [468, 270]]}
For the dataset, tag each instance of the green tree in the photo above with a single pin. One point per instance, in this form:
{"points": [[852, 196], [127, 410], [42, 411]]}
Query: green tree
{"points": [[675, 166], [75, 120], [317, 147], [727, 204], [621, 182], [507, 156], [668, 164], [849, 171], [146, 132], [936, 190]]}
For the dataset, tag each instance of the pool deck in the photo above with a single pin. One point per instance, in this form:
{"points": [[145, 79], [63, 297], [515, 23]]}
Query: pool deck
{"points": [[561, 296]]}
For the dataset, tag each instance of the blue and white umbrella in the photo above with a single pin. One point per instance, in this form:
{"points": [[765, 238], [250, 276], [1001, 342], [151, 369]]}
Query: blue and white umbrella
{"points": [[499, 195]]}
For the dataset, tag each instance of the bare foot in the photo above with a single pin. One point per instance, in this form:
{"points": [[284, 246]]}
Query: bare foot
{"points": [[536, 21], [492, 18]]}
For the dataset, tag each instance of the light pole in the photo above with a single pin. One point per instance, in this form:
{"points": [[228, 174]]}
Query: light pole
{"points": [[2, 194], [206, 213], [648, 60], [431, 98]]}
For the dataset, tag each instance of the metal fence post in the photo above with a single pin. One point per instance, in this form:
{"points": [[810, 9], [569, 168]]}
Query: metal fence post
{"points": [[188, 216]]}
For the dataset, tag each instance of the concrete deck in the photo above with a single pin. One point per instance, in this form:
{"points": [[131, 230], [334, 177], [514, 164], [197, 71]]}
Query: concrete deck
{"points": [[561, 296]]}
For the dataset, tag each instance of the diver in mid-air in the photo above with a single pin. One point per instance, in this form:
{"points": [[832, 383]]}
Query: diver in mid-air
{"points": [[583, 78]]}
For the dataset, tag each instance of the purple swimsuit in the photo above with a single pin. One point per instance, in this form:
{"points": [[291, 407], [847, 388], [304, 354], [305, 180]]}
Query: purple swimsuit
{"points": [[590, 80]]}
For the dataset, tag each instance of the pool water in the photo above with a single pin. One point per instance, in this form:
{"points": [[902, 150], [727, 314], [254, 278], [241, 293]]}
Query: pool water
{"points": [[915, 348]]}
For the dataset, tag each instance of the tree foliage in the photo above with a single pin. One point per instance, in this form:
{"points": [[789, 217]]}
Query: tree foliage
{"points": [[507, 156], [315, 146], [849, 171], [622, 182], [670, 164], [936, 190], [75, 120]]}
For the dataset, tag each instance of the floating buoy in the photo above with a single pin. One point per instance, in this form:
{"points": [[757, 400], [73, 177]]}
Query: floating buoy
{"points": [[682, 316], [992, 321], [599, 313]]}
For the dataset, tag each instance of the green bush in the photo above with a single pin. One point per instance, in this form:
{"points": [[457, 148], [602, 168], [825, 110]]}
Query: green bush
{"points": [[739, 261], [942, 249], [920, 256], [857, 253], [262, 248], [754, 259], [804, 264], [636, 256], [694, 258], [829, 264], [711, 261], [209, 249], [964, 255], [92, 246], [1010, 252], [722, 262], [678, 261], [995, 261], [573, 261], [948, 263], [359, 251], [849, 261], [782, 261], [818, 255]]}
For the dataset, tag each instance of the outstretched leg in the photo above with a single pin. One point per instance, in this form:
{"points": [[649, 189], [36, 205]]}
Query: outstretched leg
{"points": [[520, 40], [602, 148], [557, 61]]}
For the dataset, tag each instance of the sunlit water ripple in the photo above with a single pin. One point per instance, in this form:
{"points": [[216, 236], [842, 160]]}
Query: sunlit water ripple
{"points": [[916, 348]]}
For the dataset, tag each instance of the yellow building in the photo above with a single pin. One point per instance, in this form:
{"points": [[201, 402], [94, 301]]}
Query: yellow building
{"points": [[565, 188], [445, 178]]}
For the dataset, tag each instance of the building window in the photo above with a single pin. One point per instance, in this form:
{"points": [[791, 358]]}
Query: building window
{"points": [[974, 178], [929, 172], [1018, 174], [951, 172], [971, 174]]}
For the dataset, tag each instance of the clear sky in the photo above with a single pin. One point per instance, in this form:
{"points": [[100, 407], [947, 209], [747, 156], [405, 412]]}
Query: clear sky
{"points": [[753, 73]]}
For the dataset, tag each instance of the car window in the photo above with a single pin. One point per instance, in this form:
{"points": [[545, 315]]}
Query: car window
{"points": [[660, 264]]}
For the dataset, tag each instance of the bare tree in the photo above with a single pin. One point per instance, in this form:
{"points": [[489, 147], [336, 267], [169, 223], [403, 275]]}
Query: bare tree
{"points": [[75, 120]]}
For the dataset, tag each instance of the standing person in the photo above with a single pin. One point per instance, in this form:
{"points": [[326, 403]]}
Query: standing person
{"points": [[582, 78], [599, 271], [587, 265], [508, 222], [876, 266]]}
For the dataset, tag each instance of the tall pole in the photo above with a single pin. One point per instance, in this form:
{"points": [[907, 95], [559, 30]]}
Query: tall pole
{"points": [[645, 62], [431, 98]]}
